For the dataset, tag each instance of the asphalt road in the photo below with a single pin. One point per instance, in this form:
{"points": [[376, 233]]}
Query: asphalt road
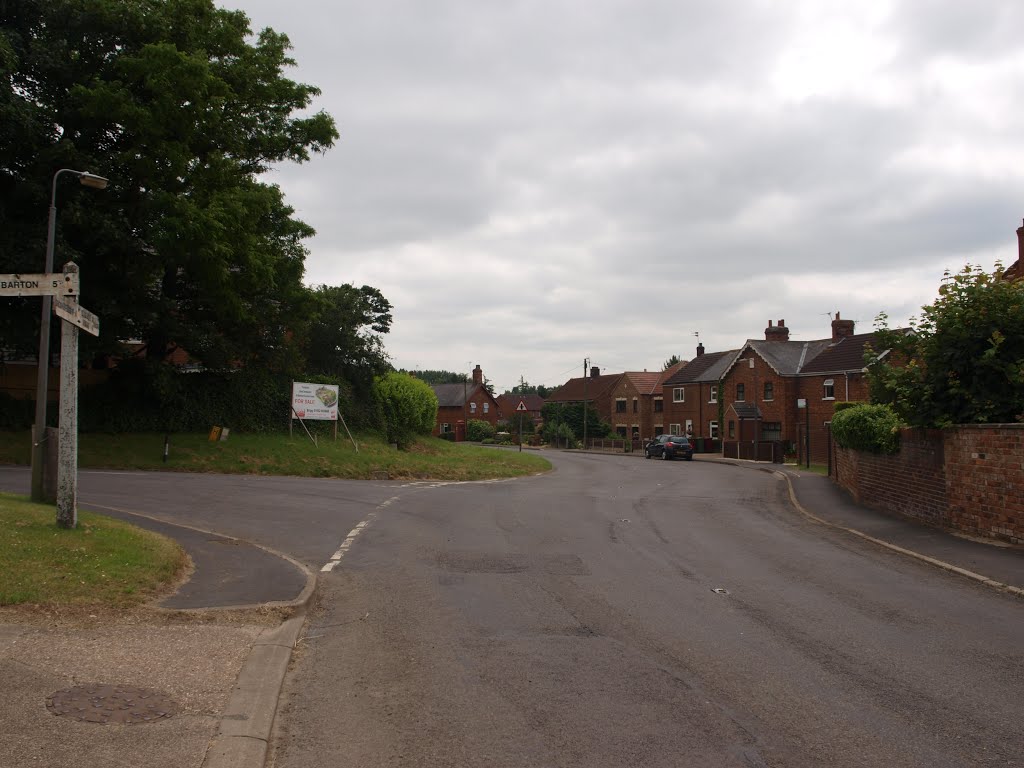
{"points": [[615, 612], [573, 620]]}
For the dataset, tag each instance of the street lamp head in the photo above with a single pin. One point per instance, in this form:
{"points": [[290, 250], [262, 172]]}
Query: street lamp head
{"points": [[92, 180]]}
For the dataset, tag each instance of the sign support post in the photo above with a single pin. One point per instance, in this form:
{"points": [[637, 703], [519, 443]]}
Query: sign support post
{"points": [[67, 447]]}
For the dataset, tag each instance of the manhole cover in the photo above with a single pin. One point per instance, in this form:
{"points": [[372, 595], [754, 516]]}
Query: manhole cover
{"points": [[96, 703]]}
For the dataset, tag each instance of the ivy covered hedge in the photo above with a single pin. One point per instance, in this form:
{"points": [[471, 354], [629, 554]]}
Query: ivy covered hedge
{"points": [[871, 428]]}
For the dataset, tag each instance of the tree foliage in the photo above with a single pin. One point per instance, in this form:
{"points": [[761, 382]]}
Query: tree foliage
{"points": [[344, 330], [962, 361], [439, 377], [671, 361], [525, 388], [178, 105], [571, 414], [409, 405]]}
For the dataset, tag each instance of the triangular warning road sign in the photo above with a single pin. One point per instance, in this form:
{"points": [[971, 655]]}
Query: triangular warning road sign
{"points": [[521, 406]]}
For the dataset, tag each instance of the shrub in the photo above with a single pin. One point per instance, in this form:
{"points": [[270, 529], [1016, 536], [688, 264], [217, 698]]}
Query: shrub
{"points": [[842, 405], [409, 405], [478, 431], [871, 428]]}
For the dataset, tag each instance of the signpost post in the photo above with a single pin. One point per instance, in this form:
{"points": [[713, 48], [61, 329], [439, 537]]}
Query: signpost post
{"points": [[521, 409], [63, 288], [802, 403]]}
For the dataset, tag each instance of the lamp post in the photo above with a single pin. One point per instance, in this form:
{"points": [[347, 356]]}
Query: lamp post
{"points": [[93, 181]]}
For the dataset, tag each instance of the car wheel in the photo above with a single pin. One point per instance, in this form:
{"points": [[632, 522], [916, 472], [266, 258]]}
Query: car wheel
{"points": [[665, 456]]}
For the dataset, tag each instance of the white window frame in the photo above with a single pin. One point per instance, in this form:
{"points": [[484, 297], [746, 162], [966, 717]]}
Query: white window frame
{"points": [[472, 407], [673, 429], [679, 394], [714, 394], [713, 429], [487, 407], [829, 389], [445, 428]]}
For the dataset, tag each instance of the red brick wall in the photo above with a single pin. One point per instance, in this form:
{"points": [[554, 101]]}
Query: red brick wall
{"points": [[969, 478], [985, 473]]}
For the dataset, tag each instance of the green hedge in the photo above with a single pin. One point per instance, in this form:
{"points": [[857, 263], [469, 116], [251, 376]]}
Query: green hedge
{"points": [[142, 397], [871, 428]]}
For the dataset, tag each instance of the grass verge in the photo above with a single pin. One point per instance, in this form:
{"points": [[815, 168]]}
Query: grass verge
{"points": [[102, 562], [427, 459]]}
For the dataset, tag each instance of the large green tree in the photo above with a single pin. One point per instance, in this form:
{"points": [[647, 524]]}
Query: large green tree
{"points": [[962, 361], [183, 109], [344, 330]]}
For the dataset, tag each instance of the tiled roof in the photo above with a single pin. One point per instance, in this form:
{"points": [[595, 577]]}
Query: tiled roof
{"points": [[453, 395], [847, 354], [644, 381], [694, 370], [573, 390], [788, 357]]}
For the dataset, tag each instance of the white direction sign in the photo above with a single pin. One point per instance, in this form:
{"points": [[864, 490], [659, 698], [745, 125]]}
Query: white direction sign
{"points": [[45, 284], [77, 315]]}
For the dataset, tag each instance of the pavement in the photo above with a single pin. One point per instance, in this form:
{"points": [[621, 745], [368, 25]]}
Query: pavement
{"points": [[195, 681]]}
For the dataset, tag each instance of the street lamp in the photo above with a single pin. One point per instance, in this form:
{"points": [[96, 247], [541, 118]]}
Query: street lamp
{"points": [[93, 181]]}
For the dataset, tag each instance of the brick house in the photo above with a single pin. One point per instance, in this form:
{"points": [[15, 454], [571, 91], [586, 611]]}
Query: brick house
{"points": [[600, 392], [508, 402], [457, 403], [691, 397], [1015, 271], [763, 384]]}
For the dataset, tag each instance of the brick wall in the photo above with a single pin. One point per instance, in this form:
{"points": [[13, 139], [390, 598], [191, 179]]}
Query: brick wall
{"points": [[985, 474], [969, 478]]}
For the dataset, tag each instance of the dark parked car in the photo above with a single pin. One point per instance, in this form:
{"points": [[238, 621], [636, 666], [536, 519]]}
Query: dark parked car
{"points": [[669, 447]]}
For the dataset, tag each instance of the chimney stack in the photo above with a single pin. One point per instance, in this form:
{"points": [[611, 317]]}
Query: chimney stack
{"points": [[478, 375], [1020, 245], [776, 333], [594, 371], [841, 328], [700, 349]]}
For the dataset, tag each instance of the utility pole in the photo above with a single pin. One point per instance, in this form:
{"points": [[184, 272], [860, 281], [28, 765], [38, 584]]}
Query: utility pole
{"points": [[586, 363]]}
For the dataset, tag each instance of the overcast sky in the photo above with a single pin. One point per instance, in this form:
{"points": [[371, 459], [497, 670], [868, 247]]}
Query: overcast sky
{"points": [[533, 183]]}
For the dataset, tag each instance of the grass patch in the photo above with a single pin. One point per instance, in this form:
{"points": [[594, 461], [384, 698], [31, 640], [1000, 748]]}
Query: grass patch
{"points": [[102, 562], [427, 459]]}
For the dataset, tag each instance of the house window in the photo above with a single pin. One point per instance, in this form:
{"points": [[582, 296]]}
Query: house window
{"points": [[713, 429], [679, 395], [741, 393], [769, 391], [472, 407], [659, 405], [621, 430], [487, 407], [659, 430], [673, 429], [732, 430], [620, 405], [446, 428], [830, 390], [714, 394], [636, 405], [771, 430]]}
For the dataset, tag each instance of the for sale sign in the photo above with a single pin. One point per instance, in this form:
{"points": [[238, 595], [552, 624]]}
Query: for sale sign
{"points": [[315, 401]]}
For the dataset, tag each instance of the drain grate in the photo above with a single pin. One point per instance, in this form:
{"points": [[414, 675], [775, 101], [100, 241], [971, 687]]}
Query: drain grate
{"points": [[98, 703]]}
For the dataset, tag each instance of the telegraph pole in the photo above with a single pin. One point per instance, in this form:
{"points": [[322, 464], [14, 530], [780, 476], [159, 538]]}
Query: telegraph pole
{"points": [[586, 363]]}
